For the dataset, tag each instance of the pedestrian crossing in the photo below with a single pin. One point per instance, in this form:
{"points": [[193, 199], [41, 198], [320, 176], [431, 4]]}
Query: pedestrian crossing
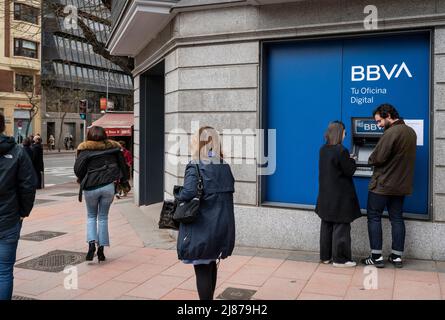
{"points": [[60, 172]]}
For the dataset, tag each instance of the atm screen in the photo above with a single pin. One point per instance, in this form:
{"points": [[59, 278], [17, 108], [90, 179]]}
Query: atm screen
{"points": [[364, 153], [367, 127]]}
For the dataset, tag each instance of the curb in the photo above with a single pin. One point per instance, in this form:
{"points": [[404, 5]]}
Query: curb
{"points": [[57, 153]]}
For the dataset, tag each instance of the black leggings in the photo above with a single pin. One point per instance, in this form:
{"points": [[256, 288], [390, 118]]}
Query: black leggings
{"points": [[206, 280]]}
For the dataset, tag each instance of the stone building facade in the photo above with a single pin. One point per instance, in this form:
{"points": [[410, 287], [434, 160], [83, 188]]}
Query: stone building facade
{"points": [[204, 62]]}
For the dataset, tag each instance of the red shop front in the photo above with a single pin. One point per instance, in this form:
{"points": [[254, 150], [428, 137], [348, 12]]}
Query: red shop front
{"points": [[118, 126]]}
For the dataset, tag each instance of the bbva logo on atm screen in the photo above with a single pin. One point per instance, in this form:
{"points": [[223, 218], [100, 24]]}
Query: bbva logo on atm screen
{"points": [[374, 72], [371, 127]]}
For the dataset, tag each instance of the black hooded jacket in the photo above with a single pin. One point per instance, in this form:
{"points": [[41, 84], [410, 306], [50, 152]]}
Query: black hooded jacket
{"points": [[17, 183]]}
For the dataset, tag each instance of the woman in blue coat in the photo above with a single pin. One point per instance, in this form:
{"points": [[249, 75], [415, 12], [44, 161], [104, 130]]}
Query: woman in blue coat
{"points": [[212, 235]]}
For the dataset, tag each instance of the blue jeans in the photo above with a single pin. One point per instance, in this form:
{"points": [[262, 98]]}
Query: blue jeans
{"points": [[376, 205], [9, 240], [98, 203]]}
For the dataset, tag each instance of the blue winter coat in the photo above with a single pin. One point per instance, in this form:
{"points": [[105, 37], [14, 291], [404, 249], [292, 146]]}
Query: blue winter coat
{"points": [[212, 234]]}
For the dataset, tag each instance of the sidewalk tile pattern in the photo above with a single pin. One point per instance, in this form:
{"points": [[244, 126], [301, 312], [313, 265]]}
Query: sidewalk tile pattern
{"points": [[135, 271]]}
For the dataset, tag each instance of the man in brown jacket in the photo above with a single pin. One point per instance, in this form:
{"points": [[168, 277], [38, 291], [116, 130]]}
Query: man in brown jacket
{"points": [[393, 160]]}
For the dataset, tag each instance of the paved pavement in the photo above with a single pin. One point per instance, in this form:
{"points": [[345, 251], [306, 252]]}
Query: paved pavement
{"points": [[142, 264]]}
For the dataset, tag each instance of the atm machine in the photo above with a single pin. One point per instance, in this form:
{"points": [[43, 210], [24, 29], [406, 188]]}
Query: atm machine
{"points": [[365, 135]]}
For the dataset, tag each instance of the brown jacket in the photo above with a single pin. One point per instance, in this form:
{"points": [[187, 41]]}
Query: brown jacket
{"points": [[393, 160]]}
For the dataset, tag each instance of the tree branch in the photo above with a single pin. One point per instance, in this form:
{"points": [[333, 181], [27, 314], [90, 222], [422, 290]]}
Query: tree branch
{"points": [[125, 63], [107, 4]]}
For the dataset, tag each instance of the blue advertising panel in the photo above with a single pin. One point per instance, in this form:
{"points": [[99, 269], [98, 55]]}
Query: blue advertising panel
{"points": [[303, 95], [310, 83], [391, 69]]}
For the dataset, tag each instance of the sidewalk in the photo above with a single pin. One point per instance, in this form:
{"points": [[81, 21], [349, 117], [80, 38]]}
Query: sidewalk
{"points": [[142, 263]]}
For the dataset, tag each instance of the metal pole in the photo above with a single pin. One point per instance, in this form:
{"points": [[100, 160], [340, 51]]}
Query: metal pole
{"points": [[108, 77], [85, 129]]}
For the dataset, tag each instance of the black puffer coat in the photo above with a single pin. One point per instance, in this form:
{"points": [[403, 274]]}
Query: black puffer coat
{"points": [[17, 183], [99, 163]]}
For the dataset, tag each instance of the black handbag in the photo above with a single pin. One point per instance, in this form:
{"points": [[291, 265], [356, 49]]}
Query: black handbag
{"points": [[187, 211], [166, 219]]}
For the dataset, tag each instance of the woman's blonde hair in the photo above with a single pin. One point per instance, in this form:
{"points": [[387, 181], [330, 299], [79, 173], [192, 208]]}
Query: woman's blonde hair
{"points": [[204, 141]]}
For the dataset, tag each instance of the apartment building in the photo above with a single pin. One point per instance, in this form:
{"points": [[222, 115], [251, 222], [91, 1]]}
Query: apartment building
{"points": [[20, 56]]}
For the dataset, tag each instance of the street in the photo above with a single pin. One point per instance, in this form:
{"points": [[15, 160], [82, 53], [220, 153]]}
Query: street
{"points": [[59, 168]]}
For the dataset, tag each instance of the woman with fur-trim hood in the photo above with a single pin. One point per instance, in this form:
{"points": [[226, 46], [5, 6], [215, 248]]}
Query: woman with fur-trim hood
{"points": [[99, 164]]}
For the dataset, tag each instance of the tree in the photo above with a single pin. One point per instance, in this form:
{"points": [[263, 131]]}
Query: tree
{"points": [[33, 97], [82, 19], [62, 101], [85, 14]]}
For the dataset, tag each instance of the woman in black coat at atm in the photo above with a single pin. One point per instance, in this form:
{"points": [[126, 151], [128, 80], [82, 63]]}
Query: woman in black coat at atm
{"points": [[337, 203]]}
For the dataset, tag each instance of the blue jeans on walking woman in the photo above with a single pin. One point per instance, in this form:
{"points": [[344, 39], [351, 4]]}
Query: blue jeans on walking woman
{"points": [[98, 203], [9, 240]]}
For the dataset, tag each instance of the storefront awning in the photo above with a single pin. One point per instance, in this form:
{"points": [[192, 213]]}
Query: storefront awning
{"points": [[116, 124]]}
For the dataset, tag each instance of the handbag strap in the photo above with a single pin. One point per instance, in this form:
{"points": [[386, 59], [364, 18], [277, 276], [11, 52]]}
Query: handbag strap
{"points": [[199, 186]]}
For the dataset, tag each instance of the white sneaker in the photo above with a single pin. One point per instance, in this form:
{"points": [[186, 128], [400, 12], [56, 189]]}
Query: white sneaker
{"points": [[348, 264], [326, 261]]}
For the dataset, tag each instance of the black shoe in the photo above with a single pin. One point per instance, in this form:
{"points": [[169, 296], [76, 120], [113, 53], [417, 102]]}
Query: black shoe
{"points": [[370, 261], [396, 261], [91, 250], [100, 254]]}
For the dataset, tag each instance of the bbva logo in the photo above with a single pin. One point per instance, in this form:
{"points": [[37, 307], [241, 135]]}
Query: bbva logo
{"points": [[374, 72]]}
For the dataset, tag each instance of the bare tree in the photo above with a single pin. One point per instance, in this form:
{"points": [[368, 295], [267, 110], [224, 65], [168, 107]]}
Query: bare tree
{"points": [[91, 13], [62, 101], [33, 97], [87, 14]]}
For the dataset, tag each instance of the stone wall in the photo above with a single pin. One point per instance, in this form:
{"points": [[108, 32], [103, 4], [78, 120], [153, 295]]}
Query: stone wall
{"points": [[216, 85]]}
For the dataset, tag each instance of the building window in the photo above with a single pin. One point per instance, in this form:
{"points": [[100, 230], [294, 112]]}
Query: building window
{"points": [[79, 72], [90, 72], [73, 72], [25, 48], [26, 13], [58, 67], [24, 83]]}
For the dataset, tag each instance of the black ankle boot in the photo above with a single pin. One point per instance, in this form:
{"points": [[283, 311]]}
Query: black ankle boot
{"points": [[91, 250], [100, 254]]}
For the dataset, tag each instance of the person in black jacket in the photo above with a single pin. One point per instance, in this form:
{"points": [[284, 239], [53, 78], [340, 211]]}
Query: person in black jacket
{"points": [[27, 147], [17, 194], [99, 164], [337, 203], [37, 160], [212, 235]]}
